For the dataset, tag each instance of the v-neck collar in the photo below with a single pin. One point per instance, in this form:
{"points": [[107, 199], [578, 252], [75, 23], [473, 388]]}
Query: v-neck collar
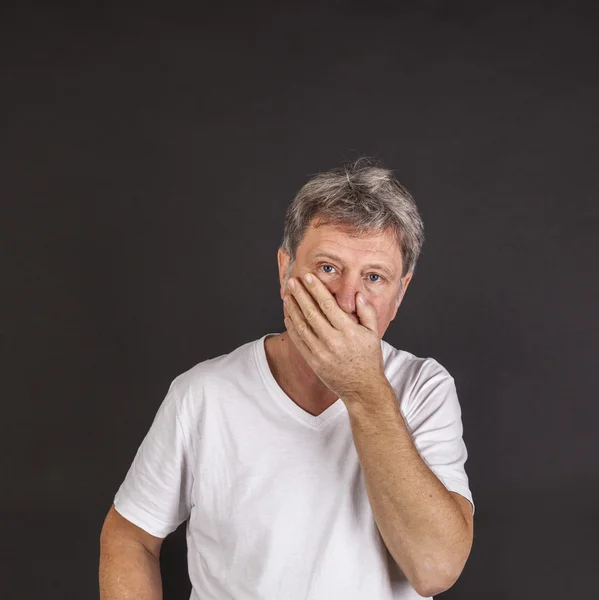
{"points": [[315, 422]]}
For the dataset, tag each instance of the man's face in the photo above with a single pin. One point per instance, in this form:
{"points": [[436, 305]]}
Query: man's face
{"points": [[345, 265]]}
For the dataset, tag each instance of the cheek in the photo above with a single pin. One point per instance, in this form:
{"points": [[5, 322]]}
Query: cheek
{"points": [[383, 307]]}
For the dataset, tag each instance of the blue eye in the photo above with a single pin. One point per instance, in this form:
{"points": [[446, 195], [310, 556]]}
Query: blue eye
{"points": [[380, 278]]}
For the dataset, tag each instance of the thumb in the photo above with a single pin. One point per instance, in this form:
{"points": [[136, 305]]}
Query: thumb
{"points": [[366, 313]]}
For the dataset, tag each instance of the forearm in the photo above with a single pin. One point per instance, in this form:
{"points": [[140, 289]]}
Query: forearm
{"points": [[128, 572], [419, 521]]}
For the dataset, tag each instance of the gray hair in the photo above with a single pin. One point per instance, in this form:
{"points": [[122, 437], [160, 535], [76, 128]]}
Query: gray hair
{"points": [[362, 197]]}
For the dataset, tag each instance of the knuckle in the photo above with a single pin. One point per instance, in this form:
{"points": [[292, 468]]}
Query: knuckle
{"points": [[326, 304]]}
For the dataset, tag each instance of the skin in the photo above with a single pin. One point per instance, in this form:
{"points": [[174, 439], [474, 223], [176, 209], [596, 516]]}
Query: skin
{"points": [[343, 278]]}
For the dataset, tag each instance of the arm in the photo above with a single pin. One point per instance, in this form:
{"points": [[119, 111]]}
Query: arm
{"points": [[129, 561], [426, 529]]}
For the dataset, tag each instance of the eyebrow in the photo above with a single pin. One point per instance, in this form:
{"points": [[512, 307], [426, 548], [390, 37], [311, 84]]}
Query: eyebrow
{"points": [[330, 256]]}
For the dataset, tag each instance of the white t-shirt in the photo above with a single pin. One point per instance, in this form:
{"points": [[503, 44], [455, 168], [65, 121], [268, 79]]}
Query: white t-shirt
{"points": [[275, 496]]}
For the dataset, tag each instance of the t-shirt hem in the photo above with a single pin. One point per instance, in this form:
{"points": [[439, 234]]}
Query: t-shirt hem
{"points": [[454, 486], [139, 516]]}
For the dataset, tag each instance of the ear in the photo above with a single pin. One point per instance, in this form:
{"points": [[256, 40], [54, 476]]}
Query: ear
{"points": [[405, 282], [283, 259]]}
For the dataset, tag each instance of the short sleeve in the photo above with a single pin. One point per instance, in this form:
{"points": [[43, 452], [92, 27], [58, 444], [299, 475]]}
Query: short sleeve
{"points": [[156, 492], [434, 419]]}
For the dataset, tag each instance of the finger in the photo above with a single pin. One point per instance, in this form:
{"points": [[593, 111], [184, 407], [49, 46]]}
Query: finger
{"points": [[297, 340], [326, 303], [309, 311], [301, 326]]}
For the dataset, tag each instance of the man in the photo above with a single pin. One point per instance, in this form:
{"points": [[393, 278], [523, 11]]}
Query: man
{"points": [[319, 463]]}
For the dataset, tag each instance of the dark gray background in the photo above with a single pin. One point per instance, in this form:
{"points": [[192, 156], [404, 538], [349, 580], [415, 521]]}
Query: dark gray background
{"points": [[148, 154]]}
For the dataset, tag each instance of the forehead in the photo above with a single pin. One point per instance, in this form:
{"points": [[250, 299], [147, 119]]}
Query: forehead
{"points": [[378, 249]]}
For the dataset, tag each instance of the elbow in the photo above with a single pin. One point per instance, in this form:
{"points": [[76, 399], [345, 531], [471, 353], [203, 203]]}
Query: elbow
{"points": [[429, 588], [433, 582], [437, 576]]}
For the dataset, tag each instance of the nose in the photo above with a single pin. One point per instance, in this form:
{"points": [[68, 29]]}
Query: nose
{"points": [[345, 291]]}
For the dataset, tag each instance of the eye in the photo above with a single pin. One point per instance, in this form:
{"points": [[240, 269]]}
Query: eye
{"points": [[380, 278]]}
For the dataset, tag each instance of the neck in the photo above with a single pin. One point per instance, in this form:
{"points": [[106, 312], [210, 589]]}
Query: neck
{"points": [[296, 377]]}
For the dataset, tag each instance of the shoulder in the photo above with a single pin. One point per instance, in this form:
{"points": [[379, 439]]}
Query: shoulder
{"points": [[211, 377], [424, 387], [408, 372]]}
